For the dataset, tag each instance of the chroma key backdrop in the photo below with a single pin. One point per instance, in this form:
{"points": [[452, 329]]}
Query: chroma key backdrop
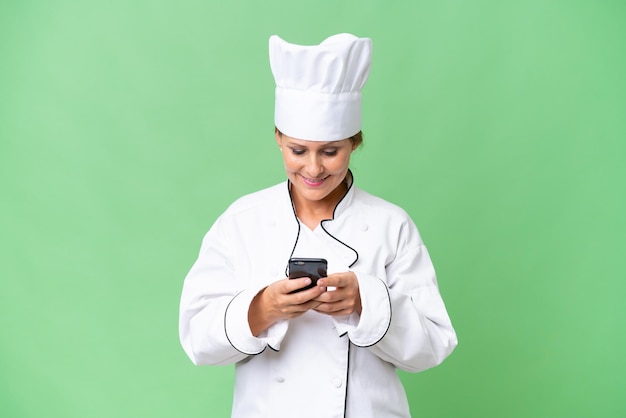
{"points": [[127, 127]]}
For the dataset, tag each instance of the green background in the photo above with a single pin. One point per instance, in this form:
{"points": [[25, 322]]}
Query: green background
{"points": [[127, 127]]}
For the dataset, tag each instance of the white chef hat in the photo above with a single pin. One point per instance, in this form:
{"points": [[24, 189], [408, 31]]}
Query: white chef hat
{"points": [[318, 87]]}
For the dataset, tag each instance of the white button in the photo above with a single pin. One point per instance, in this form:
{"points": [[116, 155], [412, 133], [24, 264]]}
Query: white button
{"points": [[337, 382], [280, 379], [364, 227]]}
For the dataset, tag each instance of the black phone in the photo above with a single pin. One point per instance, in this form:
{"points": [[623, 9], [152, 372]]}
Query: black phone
{"points": [[315, 268]]}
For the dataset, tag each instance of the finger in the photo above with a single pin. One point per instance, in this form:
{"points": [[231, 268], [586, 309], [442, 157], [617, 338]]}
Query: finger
{"points": [[330, 281], [337, 280], [330, 296], [303, 296], [296, 306], [336, 308], [291, 285]]}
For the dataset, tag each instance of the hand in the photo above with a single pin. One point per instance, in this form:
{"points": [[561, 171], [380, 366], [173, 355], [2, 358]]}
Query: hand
{"points": [[276, 302], [344, 300]]}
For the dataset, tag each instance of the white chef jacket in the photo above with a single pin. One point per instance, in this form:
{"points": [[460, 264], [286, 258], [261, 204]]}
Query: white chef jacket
{"points": [[316, 365]]}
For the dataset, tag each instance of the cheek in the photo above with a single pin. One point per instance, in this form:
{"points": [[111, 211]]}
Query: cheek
{"points": [[339, 164], [290, 163]]}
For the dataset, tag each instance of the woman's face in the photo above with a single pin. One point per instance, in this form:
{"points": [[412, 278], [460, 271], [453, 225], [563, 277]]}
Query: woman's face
{"points": [[315, 169]]}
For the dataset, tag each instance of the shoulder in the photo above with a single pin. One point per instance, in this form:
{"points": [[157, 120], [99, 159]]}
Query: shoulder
{"points": [[251, 216], [385, 217], [368, 202], [389, 216]]}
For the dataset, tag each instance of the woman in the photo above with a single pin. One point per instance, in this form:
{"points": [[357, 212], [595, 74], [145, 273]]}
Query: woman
{"points": [[331, 350]]}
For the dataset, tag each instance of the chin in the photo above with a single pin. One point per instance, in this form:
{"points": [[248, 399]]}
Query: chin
{"points": [[313, 195]]}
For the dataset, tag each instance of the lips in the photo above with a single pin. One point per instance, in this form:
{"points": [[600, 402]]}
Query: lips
{"points": [[313, 182]]}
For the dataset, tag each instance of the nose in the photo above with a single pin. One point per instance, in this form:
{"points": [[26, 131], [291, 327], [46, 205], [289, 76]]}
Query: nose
{"points": [[314, 165]]}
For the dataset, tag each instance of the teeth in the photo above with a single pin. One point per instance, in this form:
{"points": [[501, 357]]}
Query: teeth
{"points": [[313, 180]]}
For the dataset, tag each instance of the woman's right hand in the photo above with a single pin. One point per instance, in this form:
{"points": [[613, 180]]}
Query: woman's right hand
{"points": [[276, 302]]}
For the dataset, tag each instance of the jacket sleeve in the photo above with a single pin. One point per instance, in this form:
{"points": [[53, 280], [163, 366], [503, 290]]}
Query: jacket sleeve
{"points": [[404, 320], [213, 319]]}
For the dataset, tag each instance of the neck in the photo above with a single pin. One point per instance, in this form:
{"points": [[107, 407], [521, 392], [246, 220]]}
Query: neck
{"points": [[311, 213]]}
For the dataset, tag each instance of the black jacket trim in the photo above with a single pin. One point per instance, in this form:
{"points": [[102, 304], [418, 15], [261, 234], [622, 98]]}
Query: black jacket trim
{"points": [[356, 254], [390, 319], [226, 331], [345, 397], [295, 216]]}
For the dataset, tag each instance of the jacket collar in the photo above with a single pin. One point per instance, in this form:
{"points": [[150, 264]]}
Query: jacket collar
{"points": [[346, 200], [342, 206]]}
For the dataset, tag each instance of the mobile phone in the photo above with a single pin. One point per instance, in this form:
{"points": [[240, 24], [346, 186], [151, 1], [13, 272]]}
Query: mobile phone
{"points": [[315, 268]]}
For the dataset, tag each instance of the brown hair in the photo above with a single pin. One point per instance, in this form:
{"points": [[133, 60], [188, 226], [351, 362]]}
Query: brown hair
{"points": [[357, 138]]}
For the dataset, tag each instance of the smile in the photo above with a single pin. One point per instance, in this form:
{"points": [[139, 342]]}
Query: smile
{"points": [[313, 182]]}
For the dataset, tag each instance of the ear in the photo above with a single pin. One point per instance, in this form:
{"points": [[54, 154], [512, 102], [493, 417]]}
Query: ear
{"points": [[279, 139]]}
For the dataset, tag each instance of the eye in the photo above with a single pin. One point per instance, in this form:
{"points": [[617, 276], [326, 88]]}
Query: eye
{"points": [[330, 152], [298, 151]]}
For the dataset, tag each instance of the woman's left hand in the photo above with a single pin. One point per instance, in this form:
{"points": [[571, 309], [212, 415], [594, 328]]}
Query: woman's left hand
{"points": [[344, 300]]}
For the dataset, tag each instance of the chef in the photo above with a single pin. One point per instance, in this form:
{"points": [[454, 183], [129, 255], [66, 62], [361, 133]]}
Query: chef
{"points": [[331, 350]]}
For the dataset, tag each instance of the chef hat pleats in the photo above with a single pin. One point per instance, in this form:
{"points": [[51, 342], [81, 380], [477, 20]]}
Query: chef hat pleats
{"points": [[318, 87]]}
